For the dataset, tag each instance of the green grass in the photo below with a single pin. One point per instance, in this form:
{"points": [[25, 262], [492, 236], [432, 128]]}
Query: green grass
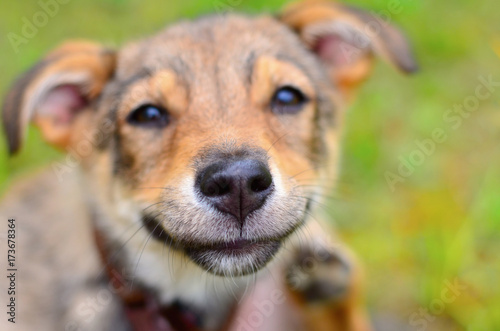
{"points": [[442, 223]]}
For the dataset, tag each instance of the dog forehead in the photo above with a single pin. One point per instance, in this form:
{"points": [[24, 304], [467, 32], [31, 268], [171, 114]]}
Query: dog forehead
{"points": [[223, 41]]}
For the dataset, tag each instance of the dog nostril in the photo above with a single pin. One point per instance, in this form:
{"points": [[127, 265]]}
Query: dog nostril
{"points": [[210, 190], [260, 182], [215, 186]]}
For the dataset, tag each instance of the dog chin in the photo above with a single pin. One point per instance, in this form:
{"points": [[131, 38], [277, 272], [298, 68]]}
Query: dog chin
{"points": [[234, 259]]}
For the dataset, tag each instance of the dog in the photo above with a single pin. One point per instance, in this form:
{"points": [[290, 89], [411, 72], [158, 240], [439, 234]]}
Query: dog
{"points": [[197, 159]]}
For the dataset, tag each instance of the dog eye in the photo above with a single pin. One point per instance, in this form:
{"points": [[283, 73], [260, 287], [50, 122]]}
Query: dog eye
{"points": [[288, 100], [149, 116]]}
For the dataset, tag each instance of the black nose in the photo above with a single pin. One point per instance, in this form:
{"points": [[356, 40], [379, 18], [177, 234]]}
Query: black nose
{"points": [[236, 187]]}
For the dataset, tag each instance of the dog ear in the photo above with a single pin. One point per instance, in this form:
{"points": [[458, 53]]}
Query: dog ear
{"points": [[55, 92], [346, 40]]}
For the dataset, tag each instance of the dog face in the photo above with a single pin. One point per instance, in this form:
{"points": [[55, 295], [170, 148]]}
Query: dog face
{"points": [[212, 132], [224, 121]]}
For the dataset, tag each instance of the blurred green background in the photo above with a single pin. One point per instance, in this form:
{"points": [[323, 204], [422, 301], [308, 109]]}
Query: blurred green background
{"points": [[440, 225]]}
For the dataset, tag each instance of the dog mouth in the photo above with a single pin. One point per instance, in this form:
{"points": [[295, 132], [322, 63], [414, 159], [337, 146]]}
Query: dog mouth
{"points": [[236, 258], [240, 246], [232, 258]]}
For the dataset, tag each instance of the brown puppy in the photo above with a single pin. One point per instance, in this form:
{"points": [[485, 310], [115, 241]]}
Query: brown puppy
{"points": [[195, 160]]}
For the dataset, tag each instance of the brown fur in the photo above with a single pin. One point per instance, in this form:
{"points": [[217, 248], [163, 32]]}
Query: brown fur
{"points": [[216, 77]]}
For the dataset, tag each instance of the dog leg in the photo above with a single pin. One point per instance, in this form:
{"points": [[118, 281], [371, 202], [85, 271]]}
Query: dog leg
{"points": [[324, 280]]}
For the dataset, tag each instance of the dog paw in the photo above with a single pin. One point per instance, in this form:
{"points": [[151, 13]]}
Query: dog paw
{"points": [[320, 275]]}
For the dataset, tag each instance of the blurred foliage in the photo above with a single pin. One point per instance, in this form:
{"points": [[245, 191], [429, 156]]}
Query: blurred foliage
{"points": [[442, 223]]}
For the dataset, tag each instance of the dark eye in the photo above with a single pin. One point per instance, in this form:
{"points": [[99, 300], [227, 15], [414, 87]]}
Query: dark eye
{"points": [[149, 116], [288, 100]]}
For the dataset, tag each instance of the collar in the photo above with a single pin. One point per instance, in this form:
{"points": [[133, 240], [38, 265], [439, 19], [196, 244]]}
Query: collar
{"points": [[141, 307]]}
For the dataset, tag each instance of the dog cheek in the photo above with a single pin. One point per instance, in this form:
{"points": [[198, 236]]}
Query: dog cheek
{"points": [[123, 163]]}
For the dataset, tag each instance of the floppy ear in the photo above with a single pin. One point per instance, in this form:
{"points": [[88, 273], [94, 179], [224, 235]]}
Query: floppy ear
{"points": [[56, 91], [346, 40]]}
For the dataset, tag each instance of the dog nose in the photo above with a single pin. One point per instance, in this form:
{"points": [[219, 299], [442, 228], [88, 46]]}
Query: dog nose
{"points": [[236, 187]]}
